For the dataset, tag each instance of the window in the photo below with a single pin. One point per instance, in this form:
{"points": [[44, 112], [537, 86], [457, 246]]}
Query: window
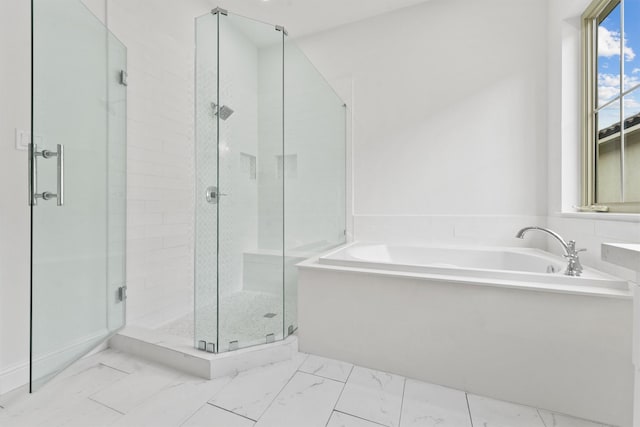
{"points": [[611, 99]]}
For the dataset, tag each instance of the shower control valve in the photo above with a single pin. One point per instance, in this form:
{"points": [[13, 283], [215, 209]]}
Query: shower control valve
{"points": [[213, 194]]}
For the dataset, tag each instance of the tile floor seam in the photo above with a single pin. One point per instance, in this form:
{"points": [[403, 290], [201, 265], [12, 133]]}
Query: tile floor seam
{"points": [[338, 399], [114, 368], [343, 387], [106, 406], [229, 411], [404, 388], [191, 415], [543, 424], [321, 376], [278, 393], [360, 418], [167, 386], [541, 417], [106, 386], [466, 397]]}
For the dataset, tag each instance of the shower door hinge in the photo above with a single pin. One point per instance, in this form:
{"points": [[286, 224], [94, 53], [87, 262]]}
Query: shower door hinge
{"points": [[122, 293], [123, 78], [283, 29], [220, 11]]}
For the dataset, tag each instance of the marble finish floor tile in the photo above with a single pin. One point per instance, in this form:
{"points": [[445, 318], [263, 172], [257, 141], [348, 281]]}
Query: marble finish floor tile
{"points": [[429, 405], [339, 419], [81, 414], [307, 400], [53, 400], [135, 388], [373, 395], [251, 392], [212, 416], [117, 390], [174, 404], [327, 368], [488, 412], [551, 419]]}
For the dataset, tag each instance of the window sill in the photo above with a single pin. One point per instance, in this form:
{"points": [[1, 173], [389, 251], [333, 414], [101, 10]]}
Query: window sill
{"points": [[609, 216]]}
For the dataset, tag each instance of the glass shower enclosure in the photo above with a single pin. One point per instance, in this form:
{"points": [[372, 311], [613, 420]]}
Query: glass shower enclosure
{"points": [[77, 186], [270, 179]]}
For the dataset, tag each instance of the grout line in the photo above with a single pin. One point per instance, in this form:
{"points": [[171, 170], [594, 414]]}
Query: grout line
{"points": [[323, 377], [106, 406], [540, 415], [404, 387], [360, 418], [114, 368], [192, 414], [340, 395], [228, 410], [280, 391], [466, 396]]}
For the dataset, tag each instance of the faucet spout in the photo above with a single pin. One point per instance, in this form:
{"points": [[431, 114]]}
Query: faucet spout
{"points": [[565, 245], [574, 267]]}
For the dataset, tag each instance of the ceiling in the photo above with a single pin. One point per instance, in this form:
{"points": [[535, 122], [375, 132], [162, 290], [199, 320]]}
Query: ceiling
{"points": [[303, 17]]}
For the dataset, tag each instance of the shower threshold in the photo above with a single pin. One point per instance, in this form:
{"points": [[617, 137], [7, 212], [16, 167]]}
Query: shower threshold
{"points": [[179, 353]]}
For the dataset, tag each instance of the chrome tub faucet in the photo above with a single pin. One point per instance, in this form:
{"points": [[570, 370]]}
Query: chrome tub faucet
{"points": [[574, 267]]}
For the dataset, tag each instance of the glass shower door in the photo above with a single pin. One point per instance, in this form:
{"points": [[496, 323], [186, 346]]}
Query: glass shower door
{"points": [[250, 180], [206, 217], [77, 186]]}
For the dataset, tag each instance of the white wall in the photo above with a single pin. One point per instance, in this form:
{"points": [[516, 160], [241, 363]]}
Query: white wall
{"points": [[15, 104], [589, 230], [448, 117]]}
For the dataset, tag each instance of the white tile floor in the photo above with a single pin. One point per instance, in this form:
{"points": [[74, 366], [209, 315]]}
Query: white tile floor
{"points": [[114, 389]]}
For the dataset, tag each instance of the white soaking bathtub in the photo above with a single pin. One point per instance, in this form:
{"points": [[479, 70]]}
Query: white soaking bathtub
{"points": [[521, 267], [495, 321]]}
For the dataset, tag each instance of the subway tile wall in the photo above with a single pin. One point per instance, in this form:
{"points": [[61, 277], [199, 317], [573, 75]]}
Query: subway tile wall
{"points": [[160, 155]]}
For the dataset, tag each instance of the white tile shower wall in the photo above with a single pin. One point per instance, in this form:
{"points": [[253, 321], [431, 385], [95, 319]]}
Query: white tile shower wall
{"points": [[238, 211], [159, 35]]}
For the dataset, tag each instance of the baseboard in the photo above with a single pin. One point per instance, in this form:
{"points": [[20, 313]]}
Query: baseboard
{"points": [[17, 375]]}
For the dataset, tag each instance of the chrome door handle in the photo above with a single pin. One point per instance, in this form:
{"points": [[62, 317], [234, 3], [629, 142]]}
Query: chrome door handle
{"points": [[46, 154], [33, 175], [60, 181]]}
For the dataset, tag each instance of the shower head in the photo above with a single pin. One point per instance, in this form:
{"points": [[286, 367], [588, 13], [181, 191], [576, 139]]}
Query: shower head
{"points": [[224, 111]]}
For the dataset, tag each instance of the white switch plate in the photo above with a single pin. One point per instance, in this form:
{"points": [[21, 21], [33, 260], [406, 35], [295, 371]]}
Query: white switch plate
{"points": [[23, 139]]}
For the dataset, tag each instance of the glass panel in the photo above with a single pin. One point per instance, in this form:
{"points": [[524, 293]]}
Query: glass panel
{"points": [[206, 228], [117, 180], [314, 169], [632, 147], [609, 56], [608, 183], [77, 248], [250, 215], [632, 44]]}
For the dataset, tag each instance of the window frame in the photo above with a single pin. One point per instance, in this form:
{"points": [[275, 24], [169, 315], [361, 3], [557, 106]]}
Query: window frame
{"points": [[589, 111]]}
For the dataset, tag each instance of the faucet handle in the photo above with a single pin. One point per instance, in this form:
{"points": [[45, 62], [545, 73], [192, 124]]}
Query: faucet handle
{"points": [[571, 246]]}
